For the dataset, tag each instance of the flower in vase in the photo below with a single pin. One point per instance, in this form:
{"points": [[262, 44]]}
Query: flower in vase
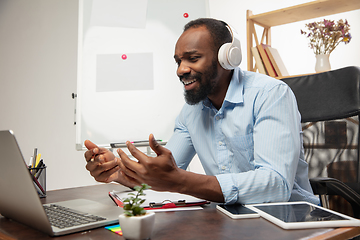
{"points": [[325, 35]]}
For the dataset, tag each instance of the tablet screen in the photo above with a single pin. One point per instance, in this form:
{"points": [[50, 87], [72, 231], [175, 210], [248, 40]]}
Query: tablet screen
{"points": [[299, 213]]}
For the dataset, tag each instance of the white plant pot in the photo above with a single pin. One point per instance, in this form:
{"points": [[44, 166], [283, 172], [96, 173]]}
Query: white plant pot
{"points": [[137, 227]]}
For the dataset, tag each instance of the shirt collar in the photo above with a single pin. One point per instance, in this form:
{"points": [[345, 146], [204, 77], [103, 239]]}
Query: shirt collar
{"points": [[235, 91]]}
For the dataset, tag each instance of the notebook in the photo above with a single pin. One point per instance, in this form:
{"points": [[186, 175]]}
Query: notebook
{"points": [[20, 202]]}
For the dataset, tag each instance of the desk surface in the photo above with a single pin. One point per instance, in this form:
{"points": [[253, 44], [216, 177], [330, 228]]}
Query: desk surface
{"points": [[200, 224]]}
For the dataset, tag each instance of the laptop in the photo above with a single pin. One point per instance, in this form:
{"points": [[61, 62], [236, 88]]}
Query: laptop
{"points": [[19, 199]]}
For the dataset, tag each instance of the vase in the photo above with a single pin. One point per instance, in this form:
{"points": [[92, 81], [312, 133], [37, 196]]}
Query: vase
{"points": [[322, 63], [137, 227]]}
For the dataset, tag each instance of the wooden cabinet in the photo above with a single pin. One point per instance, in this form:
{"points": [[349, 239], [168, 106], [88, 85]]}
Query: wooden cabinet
{"points": [[292, 14]]}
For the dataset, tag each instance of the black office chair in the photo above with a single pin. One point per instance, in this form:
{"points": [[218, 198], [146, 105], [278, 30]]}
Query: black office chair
{"points": [[330, 96]]}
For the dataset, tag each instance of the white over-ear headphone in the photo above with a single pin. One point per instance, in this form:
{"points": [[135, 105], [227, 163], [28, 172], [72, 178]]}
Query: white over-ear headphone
{"points": [[229, 54]]}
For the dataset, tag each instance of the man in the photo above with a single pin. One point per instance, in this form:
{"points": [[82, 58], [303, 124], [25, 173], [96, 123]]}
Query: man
{"points": [[244, 126]]}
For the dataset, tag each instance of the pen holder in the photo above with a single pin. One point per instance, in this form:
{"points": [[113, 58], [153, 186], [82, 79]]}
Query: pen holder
{"points": [[38, 175]]}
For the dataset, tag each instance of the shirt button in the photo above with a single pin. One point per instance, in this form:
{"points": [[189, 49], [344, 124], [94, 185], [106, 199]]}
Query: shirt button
{"points": [[223, 167], [217, 117], [220, 143]]}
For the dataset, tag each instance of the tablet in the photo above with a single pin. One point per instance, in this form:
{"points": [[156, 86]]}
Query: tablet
{"points": [[298, 215], [237, 211]]}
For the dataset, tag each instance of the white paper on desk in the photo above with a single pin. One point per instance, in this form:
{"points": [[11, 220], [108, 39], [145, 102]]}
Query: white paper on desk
{"points": [[159, 197], [175, 209]]}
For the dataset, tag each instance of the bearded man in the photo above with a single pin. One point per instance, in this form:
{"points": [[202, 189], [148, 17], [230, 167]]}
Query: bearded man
{"points": [[244, 127]]}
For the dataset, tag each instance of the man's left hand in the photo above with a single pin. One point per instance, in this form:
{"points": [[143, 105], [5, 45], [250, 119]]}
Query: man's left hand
{"points": [[160, 172]]}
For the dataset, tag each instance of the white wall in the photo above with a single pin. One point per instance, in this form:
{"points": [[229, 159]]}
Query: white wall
{"points": [[38, 49], [38, 55]]}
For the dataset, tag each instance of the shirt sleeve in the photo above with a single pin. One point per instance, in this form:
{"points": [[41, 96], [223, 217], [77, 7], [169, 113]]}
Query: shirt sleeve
{"points": [[180, 144], [277, 146]]}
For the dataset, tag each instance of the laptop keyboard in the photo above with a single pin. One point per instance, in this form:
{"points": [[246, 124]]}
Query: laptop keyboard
{"points": [[63, 217]]}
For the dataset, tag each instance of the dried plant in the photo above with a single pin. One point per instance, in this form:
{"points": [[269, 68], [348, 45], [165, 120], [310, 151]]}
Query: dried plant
{"points": [[325, 35]]}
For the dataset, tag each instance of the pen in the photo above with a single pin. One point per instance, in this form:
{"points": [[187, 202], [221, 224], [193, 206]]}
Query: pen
{"points": [[146, 141], [34, 157], [37, 159], [136, 143], [38, 168], [31, 162], [35, 169], [39, 172], [41, 162], [38, 184], [38, 189]]}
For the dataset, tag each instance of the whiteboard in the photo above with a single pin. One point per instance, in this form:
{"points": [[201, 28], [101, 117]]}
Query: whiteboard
{"points": [[127, 86]]}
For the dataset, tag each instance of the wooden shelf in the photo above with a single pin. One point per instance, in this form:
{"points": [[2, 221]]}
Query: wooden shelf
{"points": [[287, 15], [304, 11]]}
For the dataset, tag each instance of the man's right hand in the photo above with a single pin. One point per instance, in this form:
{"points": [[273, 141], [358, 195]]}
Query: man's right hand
{"points": [[103, 166], [101, 163]]}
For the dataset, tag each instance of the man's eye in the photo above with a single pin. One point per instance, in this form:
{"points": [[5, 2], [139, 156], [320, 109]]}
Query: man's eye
{"points": [[193, 59]]}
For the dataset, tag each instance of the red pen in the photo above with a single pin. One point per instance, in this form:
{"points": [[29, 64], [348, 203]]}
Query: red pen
{"points": [[38, 184]]}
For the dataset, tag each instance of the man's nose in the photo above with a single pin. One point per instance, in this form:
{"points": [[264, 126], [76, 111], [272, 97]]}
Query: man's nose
{"points": [[183, 69]]}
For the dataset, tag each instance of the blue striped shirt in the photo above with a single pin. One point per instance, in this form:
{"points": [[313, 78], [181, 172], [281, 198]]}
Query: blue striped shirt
{"points": [[252, 144]]}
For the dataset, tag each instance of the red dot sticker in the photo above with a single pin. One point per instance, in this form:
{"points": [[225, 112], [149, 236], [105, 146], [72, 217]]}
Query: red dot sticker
{"points": [[186, 15], [124, 56]]}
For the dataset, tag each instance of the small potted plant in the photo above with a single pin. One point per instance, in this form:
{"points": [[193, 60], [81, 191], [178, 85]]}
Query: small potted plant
{"points": [[136, 222]]}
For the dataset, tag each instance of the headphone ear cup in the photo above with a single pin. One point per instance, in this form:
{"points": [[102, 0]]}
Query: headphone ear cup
{"points": [[234, 56], [223, 58], [229, 54]]}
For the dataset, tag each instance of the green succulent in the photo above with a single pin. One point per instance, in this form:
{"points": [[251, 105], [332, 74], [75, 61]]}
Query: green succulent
{"points": [[133, 202]]}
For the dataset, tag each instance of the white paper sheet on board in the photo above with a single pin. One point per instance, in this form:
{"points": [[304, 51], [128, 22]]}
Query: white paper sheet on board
{"points": [[119, 13], [124, 72]]}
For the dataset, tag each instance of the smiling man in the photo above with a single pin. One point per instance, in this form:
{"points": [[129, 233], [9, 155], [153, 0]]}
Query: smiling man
{"points": [[244, 127]]}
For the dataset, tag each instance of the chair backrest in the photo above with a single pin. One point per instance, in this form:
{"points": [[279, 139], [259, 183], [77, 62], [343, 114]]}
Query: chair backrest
{"points": [[328, 95], [329, 147]]}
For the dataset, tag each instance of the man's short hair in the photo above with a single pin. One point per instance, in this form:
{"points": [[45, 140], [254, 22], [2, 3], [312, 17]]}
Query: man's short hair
{"points": [[218, 30]]}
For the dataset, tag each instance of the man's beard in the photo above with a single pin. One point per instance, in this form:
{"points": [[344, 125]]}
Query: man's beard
{"points": [[206, 85]]}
